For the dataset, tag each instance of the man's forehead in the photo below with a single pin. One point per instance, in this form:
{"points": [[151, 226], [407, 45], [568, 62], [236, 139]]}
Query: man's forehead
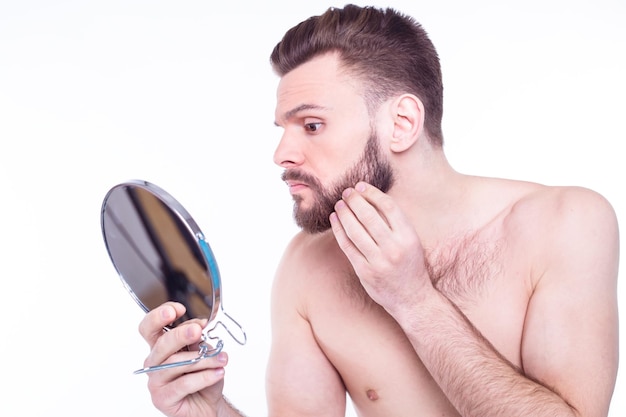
{"points": [[296, 97], [314, 85]]}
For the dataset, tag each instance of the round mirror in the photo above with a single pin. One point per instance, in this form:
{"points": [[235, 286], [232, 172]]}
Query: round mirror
{"points": [[161, 255]]}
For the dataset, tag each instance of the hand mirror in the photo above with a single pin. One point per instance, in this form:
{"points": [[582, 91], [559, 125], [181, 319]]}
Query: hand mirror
{"points": [[161, 255]]}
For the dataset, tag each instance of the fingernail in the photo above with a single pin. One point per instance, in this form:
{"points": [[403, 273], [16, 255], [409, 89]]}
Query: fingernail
{"points": [[189, 332], [165, 313], [222, 358], [360, 187], [346, 192]]}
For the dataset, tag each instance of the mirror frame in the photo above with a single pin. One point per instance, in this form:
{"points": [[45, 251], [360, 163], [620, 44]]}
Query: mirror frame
{"points": [[192, 228], [201, 247]]}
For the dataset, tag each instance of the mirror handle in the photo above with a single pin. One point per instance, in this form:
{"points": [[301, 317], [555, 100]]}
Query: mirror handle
{"points": [[242, 339], [205, 351]]}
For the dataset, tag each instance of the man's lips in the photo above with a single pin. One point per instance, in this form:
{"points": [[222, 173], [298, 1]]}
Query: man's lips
{"points": [[295, 186]]}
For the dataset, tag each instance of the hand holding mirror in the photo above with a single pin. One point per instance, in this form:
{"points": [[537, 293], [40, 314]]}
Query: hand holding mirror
{"points": [[161, 255]]}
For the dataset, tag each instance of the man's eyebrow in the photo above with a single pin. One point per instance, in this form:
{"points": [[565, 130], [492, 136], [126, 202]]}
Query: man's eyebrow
{"points": [[291, 113]]}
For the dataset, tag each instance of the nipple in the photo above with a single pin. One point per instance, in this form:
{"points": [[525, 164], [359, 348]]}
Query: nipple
{"points": [[372, 395]]}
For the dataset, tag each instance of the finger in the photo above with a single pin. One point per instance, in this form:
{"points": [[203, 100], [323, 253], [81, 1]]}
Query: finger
{"points": [[171, 342], [354, 231], [401, 232], [385, 206], [166, 375], [176, 391], [153, 323], [367, 213], [344, 242], [172, 386]]}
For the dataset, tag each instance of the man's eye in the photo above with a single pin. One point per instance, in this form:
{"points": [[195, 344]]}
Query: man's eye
{"points": [[312, 127]]}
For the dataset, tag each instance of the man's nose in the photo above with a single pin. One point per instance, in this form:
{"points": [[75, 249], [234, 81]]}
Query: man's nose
{"points": [[288, 153]]}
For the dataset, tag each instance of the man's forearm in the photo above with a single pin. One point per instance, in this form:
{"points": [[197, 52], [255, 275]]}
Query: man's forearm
{"points": [[473, 375]]}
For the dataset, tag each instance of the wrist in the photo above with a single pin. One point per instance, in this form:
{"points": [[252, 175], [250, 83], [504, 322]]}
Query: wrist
{"points": [[417, 310], [225, 408]]}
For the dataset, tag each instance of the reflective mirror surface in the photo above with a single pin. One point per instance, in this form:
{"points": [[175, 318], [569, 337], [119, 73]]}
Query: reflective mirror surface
{"points": [[161, 255]]}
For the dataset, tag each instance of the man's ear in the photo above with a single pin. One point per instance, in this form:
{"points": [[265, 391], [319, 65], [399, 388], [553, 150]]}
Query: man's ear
{"points": [[408, 113]]}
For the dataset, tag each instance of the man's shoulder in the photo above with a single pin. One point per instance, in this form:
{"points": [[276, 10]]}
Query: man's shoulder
{"points": [[310, 254], [527, 208], [312, 268], [562, 222], [543, 204]]}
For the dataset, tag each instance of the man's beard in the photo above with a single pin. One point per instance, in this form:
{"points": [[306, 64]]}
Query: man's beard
{"points": [[372, 168]]}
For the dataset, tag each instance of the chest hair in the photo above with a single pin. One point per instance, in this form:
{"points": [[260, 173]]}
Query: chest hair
{"points": [[461, 269]]}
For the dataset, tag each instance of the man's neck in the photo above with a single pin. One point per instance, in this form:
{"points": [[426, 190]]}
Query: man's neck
{"points": [[434, 196]]}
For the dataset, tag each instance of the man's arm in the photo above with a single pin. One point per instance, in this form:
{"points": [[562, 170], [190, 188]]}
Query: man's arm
{"points": [[300, 379], [570, 339], [569, 348]]}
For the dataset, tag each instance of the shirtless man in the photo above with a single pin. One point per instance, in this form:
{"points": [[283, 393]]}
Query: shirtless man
{"points": [[418, 290]]}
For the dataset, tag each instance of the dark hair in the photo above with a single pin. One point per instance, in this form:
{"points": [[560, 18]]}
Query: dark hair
{"points": [[387, 50]]}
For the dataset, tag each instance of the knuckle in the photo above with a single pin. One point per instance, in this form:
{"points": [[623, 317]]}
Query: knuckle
{"points": [[394, 258], [145, 327]]}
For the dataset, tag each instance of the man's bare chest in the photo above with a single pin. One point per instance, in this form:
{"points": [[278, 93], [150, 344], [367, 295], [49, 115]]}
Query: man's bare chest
{"points": [[374, 358]]}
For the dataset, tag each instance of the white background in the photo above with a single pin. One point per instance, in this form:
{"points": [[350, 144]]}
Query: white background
{"points": [[180, 93]]}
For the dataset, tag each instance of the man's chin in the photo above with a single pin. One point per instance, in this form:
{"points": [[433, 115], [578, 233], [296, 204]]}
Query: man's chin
{"points": [[312, 223], [315, 230]]}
